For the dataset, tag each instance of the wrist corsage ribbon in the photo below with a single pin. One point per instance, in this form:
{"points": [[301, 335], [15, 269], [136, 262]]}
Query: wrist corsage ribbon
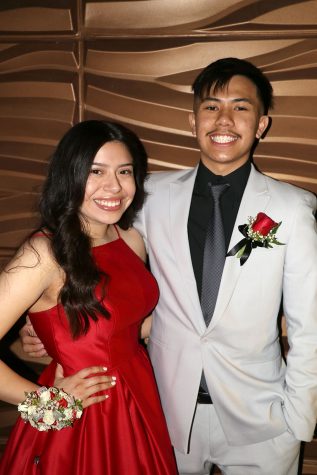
{"points": [[258, 232], [50, 408]]}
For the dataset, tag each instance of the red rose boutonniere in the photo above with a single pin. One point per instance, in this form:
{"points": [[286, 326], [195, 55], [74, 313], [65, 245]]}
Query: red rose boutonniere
{"points": [[258, 232]]}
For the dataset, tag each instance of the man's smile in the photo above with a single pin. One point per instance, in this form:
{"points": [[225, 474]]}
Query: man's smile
{"points": [[223, 138]]}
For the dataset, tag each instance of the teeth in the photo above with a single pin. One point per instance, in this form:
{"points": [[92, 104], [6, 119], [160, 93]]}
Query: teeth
{"points": [[108, 204], [223, 138]]}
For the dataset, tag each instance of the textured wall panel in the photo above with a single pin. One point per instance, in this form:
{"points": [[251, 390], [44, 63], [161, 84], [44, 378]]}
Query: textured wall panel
{"points": [[185, 17], [28, 17], [38, 103]]}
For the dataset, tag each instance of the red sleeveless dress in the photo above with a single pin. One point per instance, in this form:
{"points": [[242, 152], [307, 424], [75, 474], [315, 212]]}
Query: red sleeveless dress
{"points": [[126, 434]]}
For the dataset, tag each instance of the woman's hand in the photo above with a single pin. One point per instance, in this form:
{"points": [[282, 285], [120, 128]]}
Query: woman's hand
{"points": [[83, 385]]}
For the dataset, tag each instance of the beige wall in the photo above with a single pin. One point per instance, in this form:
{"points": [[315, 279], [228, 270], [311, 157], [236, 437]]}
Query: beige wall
{"points": [[133, 61]]}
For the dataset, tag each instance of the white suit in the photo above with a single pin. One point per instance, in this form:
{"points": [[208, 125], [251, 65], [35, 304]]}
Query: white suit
{"points": [[255, 397]]}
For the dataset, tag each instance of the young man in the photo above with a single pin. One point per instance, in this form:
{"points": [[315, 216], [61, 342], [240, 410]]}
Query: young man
{"points": [[227, 395]]}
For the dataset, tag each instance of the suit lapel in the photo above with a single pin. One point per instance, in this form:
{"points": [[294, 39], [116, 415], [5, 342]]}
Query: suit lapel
{"points": [[254, 200], [180, 199]]}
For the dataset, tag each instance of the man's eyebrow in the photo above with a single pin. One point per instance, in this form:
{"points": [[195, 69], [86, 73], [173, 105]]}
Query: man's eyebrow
{"points": [[243, 99], [210, 98], [237, 99]]}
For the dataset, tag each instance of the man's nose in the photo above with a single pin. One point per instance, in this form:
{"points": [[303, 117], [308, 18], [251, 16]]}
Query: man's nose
{"points": [[224, 117]]}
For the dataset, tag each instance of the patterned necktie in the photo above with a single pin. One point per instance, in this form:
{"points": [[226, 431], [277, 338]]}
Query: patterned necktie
{"points": [[214, 255]]}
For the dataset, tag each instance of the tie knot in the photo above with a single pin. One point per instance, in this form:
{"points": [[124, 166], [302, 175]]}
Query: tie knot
{"points": [[217, 190]]}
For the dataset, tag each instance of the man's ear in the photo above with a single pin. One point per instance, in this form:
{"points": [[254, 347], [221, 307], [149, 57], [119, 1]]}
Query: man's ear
{"points": [[192, 123], [263, 124]]}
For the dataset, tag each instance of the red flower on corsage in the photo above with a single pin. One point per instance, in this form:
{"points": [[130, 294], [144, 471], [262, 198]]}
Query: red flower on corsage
{"points": [[258, 232]]}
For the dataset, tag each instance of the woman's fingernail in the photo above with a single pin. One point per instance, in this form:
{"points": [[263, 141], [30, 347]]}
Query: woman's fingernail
{"points": [[113, 383], [106, 396], [104, 368]]}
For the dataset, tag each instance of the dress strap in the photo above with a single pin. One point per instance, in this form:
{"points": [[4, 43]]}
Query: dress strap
{"points": [[117, 230], [41, 234]]}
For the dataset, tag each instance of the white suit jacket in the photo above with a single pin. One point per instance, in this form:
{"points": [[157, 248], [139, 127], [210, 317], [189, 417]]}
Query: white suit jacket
{"points": [[255, 396]]}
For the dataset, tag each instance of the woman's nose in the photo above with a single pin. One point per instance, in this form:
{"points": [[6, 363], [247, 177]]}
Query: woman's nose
{"points": [[111, 183]]}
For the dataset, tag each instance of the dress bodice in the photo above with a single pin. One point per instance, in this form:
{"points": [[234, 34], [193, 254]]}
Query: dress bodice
{"points": [[130, 295]]}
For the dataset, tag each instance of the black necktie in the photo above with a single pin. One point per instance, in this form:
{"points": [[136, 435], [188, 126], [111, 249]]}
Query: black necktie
{"points": [[214, 259], [214, 255]]}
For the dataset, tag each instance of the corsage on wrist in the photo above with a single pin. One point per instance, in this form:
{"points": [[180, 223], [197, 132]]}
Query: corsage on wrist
{"points": [[50, 408]]}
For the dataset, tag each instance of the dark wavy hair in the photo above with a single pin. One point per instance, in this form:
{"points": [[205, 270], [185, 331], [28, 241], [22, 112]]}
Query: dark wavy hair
{"points": [[60, 202], [219, 73]]}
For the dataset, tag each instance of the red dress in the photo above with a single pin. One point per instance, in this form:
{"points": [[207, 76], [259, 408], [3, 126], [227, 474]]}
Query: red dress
{"points": [[126, 434]]}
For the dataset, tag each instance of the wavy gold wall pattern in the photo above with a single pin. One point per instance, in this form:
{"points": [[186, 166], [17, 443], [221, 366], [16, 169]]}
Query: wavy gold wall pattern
{"points": [[38, 102], [134, 61], [183, 17]]}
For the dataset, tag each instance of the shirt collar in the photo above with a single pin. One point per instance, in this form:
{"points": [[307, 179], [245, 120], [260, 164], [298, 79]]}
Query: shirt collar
{"points": [[237, 179]]}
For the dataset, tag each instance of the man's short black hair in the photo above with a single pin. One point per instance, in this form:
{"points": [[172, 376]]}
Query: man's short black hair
{"points": [[218, 74]]}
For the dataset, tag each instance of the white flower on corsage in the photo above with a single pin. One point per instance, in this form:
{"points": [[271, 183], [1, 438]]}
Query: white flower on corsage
{"points": [[50, 408]]}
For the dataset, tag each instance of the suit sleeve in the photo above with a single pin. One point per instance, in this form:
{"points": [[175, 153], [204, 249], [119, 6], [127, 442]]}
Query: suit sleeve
{"points": [[300, 310]]}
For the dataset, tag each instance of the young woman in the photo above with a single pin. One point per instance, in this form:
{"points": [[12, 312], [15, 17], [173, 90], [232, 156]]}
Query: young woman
{"points": [[82, 278]]}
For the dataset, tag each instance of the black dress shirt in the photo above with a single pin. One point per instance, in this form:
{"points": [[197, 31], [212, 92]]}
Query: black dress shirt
{"points": [[201, 210]]}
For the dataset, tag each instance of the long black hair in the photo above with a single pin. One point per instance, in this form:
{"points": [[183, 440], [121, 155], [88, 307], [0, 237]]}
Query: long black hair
{"points": [[61, 199]]}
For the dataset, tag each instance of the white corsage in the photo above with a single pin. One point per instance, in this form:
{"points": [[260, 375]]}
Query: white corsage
{"points": [[50, 408]]}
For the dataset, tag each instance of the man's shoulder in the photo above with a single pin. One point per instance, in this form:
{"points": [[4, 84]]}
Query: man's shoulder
{"points": [[167, 177], [288, 190]]}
